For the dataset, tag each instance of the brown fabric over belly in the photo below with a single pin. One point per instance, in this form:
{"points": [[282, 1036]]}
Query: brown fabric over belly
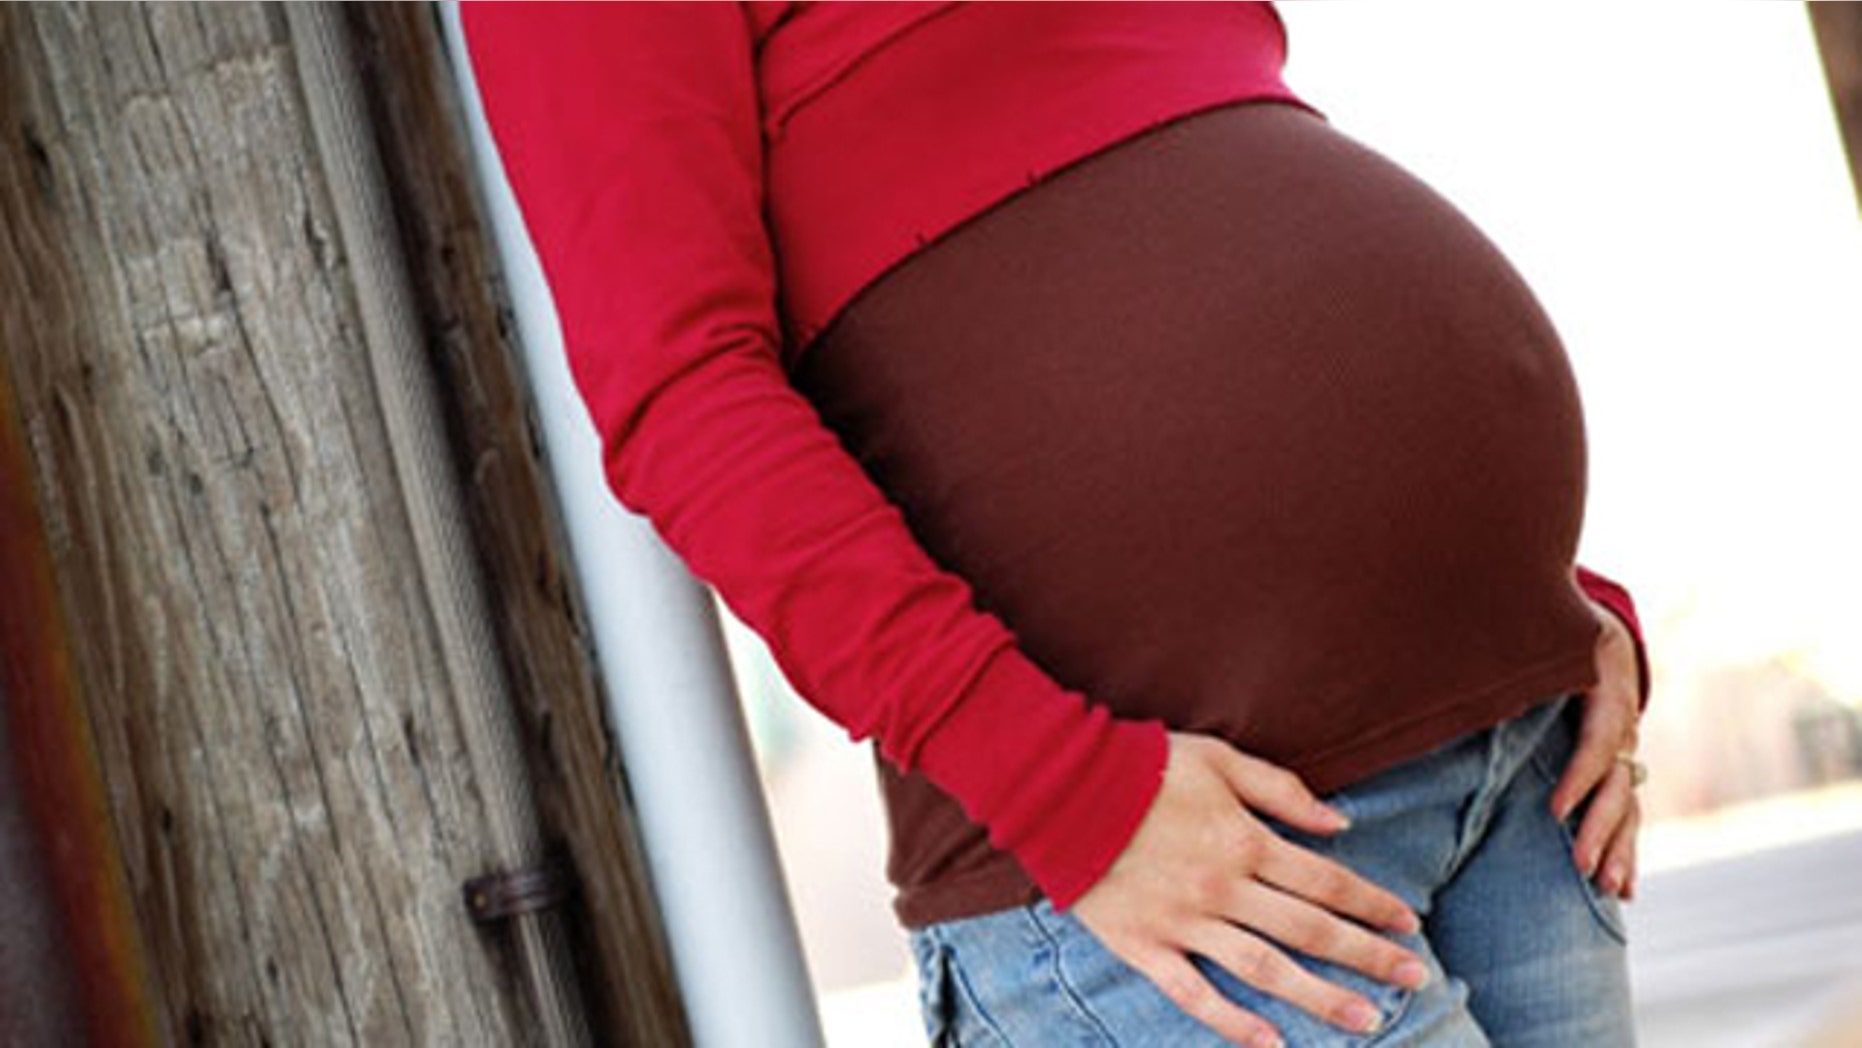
{"points": [[1238, 425]]}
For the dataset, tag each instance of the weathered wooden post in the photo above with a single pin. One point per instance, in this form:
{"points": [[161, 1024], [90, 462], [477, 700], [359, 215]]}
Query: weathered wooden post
{"points": [[310, 706]]}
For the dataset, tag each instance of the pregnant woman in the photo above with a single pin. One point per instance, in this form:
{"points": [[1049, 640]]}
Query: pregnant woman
{"points": [[1153, 472]]}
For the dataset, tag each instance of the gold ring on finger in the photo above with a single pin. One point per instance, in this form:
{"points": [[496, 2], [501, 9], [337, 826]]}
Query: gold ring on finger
{"points": [[1638, 771]]}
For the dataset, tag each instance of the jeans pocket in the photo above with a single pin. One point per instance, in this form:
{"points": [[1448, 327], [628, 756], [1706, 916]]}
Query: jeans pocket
{"points": [[953, 1016], [1549, 762], [1605, 907]]}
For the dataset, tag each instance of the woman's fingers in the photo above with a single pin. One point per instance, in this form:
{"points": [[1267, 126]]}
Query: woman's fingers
{"points": [[1189, 866], [1274, 790], [1619, 856], [1189, 990], [1609, 725], [1604, 846], [1297, 923], [1611, 711], [1258, 963], [1332, 884], [1607, 808], [1269, 788]]}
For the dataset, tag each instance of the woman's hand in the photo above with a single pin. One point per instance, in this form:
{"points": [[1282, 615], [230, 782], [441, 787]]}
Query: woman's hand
{"points": [[1605, 845], [1202, 875]]}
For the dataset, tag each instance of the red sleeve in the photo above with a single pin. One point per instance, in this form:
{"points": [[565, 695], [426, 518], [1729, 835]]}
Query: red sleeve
{"points": [[1615, 598], [631, 136]]}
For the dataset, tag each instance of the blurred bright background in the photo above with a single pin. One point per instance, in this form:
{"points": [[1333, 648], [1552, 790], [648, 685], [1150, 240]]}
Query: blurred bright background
{"points": [[1671, 182]]}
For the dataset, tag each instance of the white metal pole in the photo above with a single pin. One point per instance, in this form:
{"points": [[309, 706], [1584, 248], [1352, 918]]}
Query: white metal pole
{"points": [[671, 697]]}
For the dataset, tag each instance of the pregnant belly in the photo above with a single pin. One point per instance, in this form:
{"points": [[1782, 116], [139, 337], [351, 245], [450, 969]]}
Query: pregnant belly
{"points": [[1236, 424]]}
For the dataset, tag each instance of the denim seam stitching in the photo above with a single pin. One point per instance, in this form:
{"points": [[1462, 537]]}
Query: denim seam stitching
{"points": [[961, 983], [934, 989], [1067, 990], [1479, 815]]}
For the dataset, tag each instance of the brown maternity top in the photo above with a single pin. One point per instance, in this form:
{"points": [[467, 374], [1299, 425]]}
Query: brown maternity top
{"points": [[1240, 426]]}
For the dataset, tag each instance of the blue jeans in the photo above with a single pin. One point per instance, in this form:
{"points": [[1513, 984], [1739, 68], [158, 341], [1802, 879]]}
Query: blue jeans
{"points": [[1523, 950]]}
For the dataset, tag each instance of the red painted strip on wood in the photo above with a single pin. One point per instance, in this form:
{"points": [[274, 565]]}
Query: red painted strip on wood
{"points": [[48, 757]]}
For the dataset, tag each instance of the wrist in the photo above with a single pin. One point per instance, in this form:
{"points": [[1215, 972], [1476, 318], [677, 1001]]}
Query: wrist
{"points": [[1607, 598], [1059, 782]]}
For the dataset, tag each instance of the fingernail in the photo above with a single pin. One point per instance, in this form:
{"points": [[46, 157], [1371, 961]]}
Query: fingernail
{"points": [[1269, 1039], [1362, 1017], [1613, 880], [1336, 819], [1587, 863], [1412, 974]]}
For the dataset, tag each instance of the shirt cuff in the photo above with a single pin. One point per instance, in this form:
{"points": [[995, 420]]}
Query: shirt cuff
{"points": [[1617, 601], [1060, 783]]}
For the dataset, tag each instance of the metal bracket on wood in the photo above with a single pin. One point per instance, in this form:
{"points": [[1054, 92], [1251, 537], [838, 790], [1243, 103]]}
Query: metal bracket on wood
{"points": [[501, 896]]}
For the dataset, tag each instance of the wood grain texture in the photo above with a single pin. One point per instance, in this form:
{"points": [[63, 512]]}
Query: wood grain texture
{"points": [[286, 774], [576, 768]]}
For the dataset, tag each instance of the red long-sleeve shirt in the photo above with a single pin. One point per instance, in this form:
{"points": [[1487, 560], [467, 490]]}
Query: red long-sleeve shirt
{"points": [[706, 185]]}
